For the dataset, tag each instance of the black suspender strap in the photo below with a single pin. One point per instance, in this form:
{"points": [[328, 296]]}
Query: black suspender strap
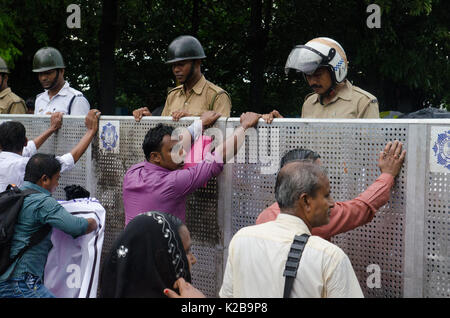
{"points": [[293, 260], [70, 104]]}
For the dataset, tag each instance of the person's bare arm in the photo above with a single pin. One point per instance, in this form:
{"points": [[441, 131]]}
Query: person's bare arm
{"points": [[91, 122], [232, 144], [55, 125]]}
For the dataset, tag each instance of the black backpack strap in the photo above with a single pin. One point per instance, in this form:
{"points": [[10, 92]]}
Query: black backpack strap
{"points": [[35, 239], [293, 260], [37, 236]]}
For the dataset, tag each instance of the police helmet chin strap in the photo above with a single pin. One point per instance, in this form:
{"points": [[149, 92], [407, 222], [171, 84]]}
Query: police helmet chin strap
{"points": [[191, 71], [55, 80], [1, 83]]}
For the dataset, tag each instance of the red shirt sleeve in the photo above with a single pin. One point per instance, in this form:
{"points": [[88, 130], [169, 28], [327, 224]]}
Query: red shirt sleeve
{"points": [[346, 216]]}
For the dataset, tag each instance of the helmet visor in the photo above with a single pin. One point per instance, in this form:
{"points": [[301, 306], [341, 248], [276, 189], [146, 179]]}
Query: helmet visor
{"points": [[304, 59]]}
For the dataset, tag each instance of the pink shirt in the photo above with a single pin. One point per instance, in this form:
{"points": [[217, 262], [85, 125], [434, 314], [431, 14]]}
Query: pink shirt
{"points": [[149, 187], [346, 216]]}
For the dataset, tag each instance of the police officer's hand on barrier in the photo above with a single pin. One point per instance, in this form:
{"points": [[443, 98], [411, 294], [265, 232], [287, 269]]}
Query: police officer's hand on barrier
{"points": [[176, 115], [390, 160], [268, 118], [141, 112]]}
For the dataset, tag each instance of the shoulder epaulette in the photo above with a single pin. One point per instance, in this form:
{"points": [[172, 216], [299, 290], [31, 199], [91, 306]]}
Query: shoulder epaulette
{"points": [[308, 96], [371, 97], [75, 92], [174, 89]]}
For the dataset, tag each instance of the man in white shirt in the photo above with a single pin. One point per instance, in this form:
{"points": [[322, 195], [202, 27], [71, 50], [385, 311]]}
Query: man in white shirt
{"points": [[14, 146], [58, 95], [257, 254]]}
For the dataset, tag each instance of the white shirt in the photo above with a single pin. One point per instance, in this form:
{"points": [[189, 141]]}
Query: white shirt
{"points": [[257, 258], [73, 265], [12, 166], [29, 149], [61, 101]]}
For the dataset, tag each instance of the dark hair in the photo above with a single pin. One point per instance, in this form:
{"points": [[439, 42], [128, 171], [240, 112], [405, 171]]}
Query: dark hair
{"points": [[153, 139], [298, 154], [295, 179], [41, 164], [12, 136], [75, 192], [30, 102]]}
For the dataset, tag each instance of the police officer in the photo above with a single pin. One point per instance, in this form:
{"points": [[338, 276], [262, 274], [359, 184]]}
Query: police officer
{"points": [[324, 65], [58, 95], [195, 95], [10, 103]]}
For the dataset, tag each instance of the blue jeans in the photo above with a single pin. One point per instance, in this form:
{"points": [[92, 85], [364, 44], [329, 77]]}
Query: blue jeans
{"points": [[27, 286]]}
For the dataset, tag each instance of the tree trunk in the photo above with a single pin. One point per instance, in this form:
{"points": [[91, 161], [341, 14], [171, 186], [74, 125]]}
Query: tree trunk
{"points": [[257, 44], [107, 38], [195, 17]]}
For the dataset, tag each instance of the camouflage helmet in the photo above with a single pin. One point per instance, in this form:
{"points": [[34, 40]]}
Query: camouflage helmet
{"points": [[47, 58], [185, 47], [3, 66]]}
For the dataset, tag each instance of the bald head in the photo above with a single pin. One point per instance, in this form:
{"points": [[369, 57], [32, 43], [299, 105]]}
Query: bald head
{"points": [[296, 178]]}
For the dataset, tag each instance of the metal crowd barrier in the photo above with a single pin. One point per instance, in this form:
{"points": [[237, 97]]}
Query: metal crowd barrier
{"points": [[403, 252]]}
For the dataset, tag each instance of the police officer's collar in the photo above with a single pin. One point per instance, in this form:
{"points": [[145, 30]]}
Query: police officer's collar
{"points": [[5, 92], [62, 91], [345, 92], [198, 87]]}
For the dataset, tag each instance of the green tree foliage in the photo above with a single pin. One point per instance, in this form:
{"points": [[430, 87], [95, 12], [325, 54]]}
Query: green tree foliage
{"points": [[405, 63]]}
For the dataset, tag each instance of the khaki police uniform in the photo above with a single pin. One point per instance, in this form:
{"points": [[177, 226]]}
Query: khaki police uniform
{"points": [[349, 102], [10, 103], [198, 100]]}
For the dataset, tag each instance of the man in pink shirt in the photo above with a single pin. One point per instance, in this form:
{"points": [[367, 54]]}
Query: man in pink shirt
{"points": [[160, 183], [346, 216]]}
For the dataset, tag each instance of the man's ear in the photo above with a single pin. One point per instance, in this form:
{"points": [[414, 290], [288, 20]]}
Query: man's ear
{"points": [[303, 200], [42, 180], [26, 142], [155, 157]]}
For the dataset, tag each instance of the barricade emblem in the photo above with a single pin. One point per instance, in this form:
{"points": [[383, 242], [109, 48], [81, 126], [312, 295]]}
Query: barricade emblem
{"points": [[441, 149], [109, 137]]}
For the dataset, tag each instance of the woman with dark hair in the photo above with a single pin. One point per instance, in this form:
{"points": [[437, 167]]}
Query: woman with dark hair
{"points": [[148, 257]]}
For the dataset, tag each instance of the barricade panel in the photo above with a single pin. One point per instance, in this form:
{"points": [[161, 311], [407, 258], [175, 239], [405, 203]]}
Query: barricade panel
{"points": [[407, 241]]}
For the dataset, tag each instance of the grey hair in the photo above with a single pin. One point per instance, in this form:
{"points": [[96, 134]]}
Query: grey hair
{"points": [[296, 178]]}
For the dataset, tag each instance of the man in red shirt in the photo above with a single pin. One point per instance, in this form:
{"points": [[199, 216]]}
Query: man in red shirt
{"points": [[346, 216]]}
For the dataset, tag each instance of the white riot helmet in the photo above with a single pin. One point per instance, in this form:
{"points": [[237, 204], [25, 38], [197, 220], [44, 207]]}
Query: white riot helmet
{"points": [[316, 53]]}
